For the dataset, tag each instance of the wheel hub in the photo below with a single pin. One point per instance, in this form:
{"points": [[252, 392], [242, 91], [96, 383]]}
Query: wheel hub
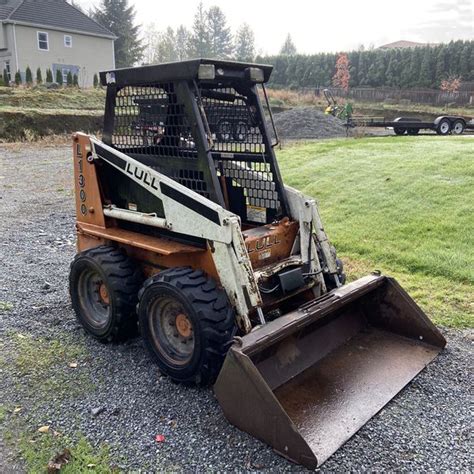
{"points": [[183, 325], [103, 293]]}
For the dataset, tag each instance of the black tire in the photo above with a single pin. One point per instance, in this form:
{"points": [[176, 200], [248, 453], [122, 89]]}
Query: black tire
{"points": [[104, 284], [458, 127], [443, 127], [196, 353], [413, 131], [399, 131]]}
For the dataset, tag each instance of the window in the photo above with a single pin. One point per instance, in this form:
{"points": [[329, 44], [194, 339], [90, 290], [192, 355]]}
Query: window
{"points": [[65, 72], [68, 41], [7, 68], [43, 41]]}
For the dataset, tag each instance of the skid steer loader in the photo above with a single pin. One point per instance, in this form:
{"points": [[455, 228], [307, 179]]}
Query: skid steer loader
{"points": [[185, 227]]}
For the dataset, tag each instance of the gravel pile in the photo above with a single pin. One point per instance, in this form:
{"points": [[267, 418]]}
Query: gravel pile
{"points": [[307, 123], [117, 396]]}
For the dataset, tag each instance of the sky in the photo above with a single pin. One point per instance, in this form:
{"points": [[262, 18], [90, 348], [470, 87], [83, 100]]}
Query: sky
{"points": [[317, 26]]}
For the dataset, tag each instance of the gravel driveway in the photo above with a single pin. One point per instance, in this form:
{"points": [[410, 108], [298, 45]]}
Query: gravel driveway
{"points": [[117, 396]]}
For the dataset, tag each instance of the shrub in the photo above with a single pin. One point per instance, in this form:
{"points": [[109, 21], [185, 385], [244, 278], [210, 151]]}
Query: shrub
{"points": [[28, 76], [49, 75], [75, 80], [5, 77], [39, 76], [59, 77], [17, 78], [69, 78], [96, 80]]}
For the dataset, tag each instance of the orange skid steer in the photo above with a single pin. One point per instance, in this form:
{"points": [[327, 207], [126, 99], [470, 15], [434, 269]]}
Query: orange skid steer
{"points": [[186, 231]]}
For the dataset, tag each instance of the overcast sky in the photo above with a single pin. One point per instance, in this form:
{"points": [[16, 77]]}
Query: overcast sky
{"points": [[318, 26]]}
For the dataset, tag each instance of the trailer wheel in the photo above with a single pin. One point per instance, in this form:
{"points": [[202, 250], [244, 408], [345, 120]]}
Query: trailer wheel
{"points": [[444, 127], [187, 324], [399, 131], [458, 127], [413, 131], [104, 284]]}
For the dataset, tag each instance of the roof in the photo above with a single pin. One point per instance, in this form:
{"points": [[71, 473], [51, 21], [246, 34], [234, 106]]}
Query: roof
{"points": [[181, 70], [402, 45], [56, 14]]}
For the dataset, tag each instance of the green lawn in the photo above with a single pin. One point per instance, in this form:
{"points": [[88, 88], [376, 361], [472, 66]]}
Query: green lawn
{"points": [[403, 205]]}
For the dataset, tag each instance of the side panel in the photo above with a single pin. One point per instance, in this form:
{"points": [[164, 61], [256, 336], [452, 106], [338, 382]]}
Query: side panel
{"points": [[86, 184]]}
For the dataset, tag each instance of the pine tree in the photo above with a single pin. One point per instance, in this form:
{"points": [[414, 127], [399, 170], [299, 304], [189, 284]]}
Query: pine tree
{"points": [[199, 46], [59, 77], [6, 81], [288, 48], [69, 78], [165, 48], [75, 80], [220, 36], [39, 76], [118, 17], [183, 38], [49, 76], [17, 78], [28, 76], [426, 74], [244, 44], [96, 80]]}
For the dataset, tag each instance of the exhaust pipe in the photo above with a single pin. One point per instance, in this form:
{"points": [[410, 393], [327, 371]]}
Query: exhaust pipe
{"points": [[307, 381]]}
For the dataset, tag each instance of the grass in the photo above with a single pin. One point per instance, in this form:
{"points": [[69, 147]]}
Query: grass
{"points": [[5, 306], [399, 204], [289, 98], [40, 98], [42, 366], [39, 448]]}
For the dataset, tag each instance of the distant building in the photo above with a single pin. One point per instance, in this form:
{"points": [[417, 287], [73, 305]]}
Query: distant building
{"points": [[402, 45], [52, 34]]}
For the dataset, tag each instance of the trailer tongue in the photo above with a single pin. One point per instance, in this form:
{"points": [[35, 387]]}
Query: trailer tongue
{"points": [[306, 382]]}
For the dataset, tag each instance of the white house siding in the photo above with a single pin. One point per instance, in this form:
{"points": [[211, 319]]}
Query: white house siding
{"points": [[6, 53], [87, 56]]}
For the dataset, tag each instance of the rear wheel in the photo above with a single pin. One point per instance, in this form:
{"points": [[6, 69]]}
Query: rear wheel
{"points": [[458, 127], [399, 131], [104, 284], [187, 324], [444, 127], [413, 131]]}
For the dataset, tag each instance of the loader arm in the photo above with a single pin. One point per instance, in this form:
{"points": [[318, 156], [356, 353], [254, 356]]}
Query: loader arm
{"points": [[182, 207]]}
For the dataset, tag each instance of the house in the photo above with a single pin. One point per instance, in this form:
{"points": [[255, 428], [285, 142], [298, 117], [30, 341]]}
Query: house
{"points": [[402, 45], [52, 34]]}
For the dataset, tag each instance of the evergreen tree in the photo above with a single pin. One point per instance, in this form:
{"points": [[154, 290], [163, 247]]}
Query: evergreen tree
{"points": [[49, 75], [426, 72], [165, 51], [28, 76], [118, 17], [59, 77], [183, 38], [39, 76], [69, 78], [244, 44], [75, 80], [17, 78], [199, 46], [288, 48], [220, 36], [6, 81], [96, 80]]}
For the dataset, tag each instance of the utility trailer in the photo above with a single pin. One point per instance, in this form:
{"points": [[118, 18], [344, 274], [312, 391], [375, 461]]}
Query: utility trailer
{"points": [[442, 125]]}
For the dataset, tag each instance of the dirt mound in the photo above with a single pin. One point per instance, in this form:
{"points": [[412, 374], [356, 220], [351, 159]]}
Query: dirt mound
{"points": [[307, 123]]}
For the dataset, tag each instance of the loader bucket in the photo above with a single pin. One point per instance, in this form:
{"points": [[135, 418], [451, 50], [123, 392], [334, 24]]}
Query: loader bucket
{"points": [[307, 381]]}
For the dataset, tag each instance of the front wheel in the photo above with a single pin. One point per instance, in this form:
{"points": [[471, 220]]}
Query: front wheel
{"points": [[399, 131], [187, 324], [444, 127]]}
